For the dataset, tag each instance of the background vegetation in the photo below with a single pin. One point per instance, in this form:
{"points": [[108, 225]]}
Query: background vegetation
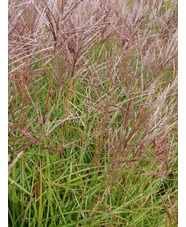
{"points": [[92, 113]]}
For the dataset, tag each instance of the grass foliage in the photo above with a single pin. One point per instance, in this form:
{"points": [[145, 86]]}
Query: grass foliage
{"points": [[92, 113]]}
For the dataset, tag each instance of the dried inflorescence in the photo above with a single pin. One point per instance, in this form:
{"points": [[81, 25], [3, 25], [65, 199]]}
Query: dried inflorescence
{"points": [[123, 57]]}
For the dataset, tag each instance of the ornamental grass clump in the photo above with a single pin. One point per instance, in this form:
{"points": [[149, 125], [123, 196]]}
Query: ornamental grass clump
{"points": [[92, 113]]}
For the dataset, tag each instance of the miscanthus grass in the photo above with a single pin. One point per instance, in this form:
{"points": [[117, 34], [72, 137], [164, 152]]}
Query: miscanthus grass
{"points": [[92, 113]]}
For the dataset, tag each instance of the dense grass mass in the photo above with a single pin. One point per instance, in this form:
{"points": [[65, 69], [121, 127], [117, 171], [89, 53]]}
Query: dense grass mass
{"points": [[92, 113]]}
